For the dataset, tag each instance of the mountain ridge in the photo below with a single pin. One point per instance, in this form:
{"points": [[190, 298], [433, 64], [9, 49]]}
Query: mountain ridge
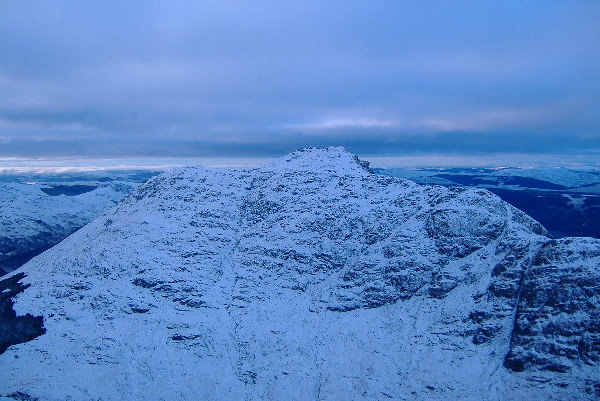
{"points": [[308, 278]]}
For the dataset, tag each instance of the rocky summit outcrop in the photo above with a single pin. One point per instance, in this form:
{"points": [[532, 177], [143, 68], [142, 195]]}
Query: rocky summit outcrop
{"points": [[309, 278]]}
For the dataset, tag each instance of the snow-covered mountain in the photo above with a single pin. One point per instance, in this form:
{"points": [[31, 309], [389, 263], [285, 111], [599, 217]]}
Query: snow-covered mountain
{"points": [[309, 278], [32, 221]]}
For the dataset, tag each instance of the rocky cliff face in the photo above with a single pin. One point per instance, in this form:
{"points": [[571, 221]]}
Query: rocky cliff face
{"points": [[309, 278], [557, 324]]}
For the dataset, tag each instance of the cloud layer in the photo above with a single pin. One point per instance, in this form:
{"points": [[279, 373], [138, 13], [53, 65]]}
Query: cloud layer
{"points": [[197, 78]]}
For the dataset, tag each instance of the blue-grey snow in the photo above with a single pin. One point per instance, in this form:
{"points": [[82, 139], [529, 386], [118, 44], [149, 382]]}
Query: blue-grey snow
{"points": [[309, 278]]}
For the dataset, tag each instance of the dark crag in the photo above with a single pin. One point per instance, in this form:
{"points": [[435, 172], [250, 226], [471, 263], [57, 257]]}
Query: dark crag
{"points": [[16, 329]]}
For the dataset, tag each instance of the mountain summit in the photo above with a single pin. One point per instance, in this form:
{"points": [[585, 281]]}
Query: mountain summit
{"points": [[309, 278]]}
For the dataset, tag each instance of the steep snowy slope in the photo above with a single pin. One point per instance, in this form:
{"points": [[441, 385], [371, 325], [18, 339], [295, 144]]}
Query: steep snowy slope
{"points": [[306, 279], [32, 221]]}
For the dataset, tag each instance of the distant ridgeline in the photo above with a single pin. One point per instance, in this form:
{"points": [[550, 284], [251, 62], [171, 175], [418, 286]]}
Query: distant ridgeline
{"points": [[309, 278]]}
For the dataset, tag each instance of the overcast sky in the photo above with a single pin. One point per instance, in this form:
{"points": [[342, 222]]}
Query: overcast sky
{"points": [[233, 77]]}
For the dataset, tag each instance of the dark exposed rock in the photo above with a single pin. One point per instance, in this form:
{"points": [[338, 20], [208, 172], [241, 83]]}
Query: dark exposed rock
{"points": [[140, 282], [485, 333], [179, 337], [21, 396], [592, 387], [479, 316], [16, 329], [441, 285]]}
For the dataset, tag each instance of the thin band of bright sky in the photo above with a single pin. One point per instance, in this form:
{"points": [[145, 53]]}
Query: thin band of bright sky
{"points": [[261, 78]]}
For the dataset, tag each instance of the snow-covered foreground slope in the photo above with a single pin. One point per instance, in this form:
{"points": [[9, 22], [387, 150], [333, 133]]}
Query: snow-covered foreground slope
{"points": [[32, 221], [306, 279]]}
